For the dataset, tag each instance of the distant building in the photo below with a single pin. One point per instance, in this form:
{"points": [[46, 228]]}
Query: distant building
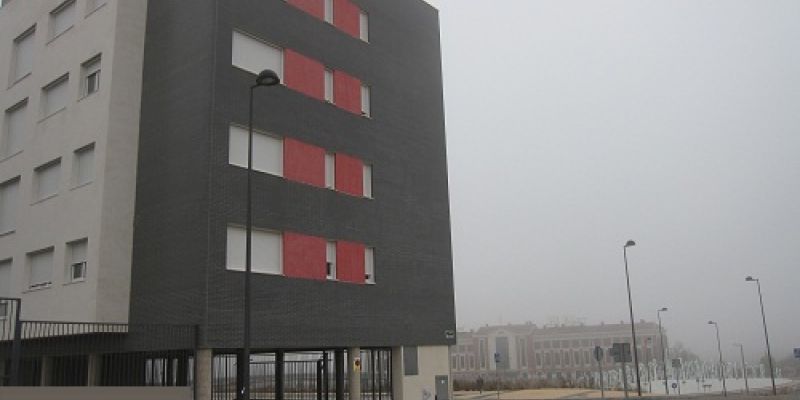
{"points": [[531, 352]]}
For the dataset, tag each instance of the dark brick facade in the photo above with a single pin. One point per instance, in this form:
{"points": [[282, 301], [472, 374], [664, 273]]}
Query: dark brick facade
{"points": [[187, 193]]}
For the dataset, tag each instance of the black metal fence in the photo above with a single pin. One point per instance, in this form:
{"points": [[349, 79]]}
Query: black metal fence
{"points": [[306, 376], [51, 353]]}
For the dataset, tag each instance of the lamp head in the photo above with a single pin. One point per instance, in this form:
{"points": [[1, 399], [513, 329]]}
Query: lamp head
{"points": [[664, 309], [750, 279], [268, 77], [630, 243], [712, 323]]}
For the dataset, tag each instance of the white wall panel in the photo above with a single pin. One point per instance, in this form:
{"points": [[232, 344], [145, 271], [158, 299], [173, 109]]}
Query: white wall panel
{"points": [[253, 55]]}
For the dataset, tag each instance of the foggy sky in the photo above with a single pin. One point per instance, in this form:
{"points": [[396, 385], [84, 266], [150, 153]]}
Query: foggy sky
{"points": [[574, 126]]}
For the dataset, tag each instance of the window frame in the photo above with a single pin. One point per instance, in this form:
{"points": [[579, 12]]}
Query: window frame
{"points": [[369, 265], [37, 195], [330, 170], [330, 260], [329, 84], [29, 257], [3, 186], [282, 67], [366, 100], [58, 10], [14, 75], [76, 155], [71, 263], [328, 12], [363, 26], [45, 100], [20, 106], [89, 69]]}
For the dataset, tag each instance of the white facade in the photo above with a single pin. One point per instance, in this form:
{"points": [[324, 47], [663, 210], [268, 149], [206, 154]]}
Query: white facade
{"points": [[73, 153]]}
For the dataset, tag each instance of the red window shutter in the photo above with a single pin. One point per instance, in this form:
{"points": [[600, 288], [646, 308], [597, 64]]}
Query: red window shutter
{"points": [[346, 17], [347, 92], [350, 262], [303, 162], [303, 256], [313, 7], [304, 74], [349, 175]]}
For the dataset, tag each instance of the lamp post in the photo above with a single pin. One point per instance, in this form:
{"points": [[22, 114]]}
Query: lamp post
{"points": [[647, 351], [631, 243], [721, 365], [766, 335], [744, 367], [663, 350], [267, 77]]}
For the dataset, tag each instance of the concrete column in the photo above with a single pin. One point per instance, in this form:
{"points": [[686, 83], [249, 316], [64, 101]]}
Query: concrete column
{"points": [[47, 371], [354, 377], [95, 370], [397, 373], [203, 362]]}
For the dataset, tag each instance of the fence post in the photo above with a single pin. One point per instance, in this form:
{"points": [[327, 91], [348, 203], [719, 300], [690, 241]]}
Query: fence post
{"points": [[16, 345]]}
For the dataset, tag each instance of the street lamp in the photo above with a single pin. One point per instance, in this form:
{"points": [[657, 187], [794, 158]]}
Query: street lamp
{"points": [[766, 335], [631, 243], [266, 78], [648, 349], [744, 367], [721, 365], [663, 350]]}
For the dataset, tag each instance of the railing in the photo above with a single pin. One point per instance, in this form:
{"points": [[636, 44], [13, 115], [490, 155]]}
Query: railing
{"points": [[54, 353], [306, 376]]}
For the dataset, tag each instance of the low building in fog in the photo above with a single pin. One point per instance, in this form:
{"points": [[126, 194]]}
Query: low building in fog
{"points": [[529, 352]]}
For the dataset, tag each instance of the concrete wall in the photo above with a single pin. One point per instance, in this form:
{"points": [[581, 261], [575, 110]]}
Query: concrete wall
{"points": [[432, 361], [109, 118], [95, 393]]}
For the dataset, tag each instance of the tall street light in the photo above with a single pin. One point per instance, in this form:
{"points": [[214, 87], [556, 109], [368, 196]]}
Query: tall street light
{"points": [[766, 335], [631, 243], [744, 367], [663, 349], [721, 363], [266, 78]]}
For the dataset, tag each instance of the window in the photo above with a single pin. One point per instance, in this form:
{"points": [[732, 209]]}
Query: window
{"points": [[267, 151], [365, 101], [46, 180], [91, 76], [410, 365], [329, 85], [5, 288], [455, 362], [369, 265], [363, 26], [266, 251], [83, 165], [5, 280], [253, 55], [23, 55], [92, 5], [76, 268], [330, 170], [41, 268], [14, 129], [329, 11], [330, 260], [62, 18], [8, 205], [54, 96], [367, 175]]}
